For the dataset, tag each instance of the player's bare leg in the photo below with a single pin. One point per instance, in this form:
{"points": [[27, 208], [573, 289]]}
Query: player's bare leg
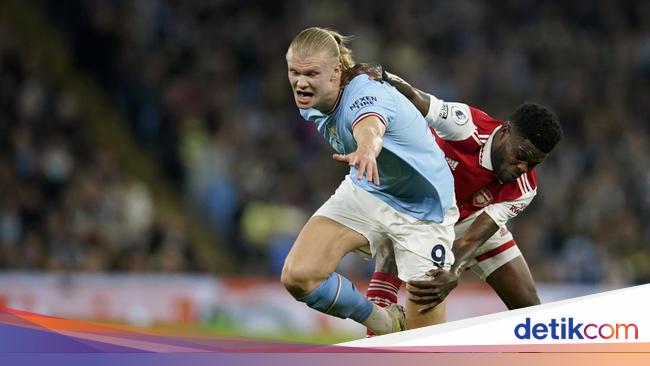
{"points": [[514, 284], [415, 319], [386, 271], [308, 274], [384, 285], [319, 248]]}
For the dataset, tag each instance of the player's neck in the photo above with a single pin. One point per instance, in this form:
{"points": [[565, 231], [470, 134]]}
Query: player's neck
{"points": [[330, 102], [495, 146]]}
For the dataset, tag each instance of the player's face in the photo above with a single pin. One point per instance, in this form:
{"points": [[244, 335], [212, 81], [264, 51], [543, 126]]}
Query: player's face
{"points": [[315, 80], [513, 156]]}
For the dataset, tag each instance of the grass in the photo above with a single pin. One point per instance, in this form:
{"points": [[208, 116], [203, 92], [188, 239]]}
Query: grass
{"points": [[293, 337]]}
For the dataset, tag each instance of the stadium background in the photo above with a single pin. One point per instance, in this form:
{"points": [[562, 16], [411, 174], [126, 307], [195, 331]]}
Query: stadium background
{"points": [[154, 169]]}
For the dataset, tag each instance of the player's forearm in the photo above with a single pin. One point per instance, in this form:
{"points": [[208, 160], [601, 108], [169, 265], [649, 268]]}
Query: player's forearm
{"points": [[463, 252], [478, 233], [419, 98], [368, 134]]}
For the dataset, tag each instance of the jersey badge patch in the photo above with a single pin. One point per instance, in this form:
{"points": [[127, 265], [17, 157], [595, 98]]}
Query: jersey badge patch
{"points": [[459, 116], [482, 198]]}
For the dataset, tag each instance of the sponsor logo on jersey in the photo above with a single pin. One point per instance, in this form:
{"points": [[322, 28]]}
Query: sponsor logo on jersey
{"points": [[453, 164], [482, 198], [459, 116], [516, 209], [363, 102], [444, 111]]}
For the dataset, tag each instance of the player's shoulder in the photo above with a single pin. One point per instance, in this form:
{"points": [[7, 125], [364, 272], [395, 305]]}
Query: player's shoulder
{"points": [[364, 93], [363, 83], [524, 186], [484, 123], [452, 121], [531, 178], [362, 86]]}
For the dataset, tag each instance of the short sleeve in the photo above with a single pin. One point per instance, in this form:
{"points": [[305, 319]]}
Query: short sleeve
{"points": [[503, 211], [369, 98], [451, 121]]}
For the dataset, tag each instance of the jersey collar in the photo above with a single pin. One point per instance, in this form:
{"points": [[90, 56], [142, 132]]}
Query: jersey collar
{"points": [[336, 104], [485, 155]]}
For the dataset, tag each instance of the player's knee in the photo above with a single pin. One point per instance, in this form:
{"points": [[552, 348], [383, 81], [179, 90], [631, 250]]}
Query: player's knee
{"points": [[298, 280]]}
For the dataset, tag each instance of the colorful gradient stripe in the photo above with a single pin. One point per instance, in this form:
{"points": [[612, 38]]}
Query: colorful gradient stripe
{"points": [[33, 339]]}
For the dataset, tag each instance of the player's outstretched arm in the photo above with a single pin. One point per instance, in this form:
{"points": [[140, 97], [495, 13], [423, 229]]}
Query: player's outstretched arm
{"points": [[432, 292], [368, 133], [420, 99]]}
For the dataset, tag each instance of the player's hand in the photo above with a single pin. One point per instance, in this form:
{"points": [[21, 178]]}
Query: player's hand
{"points": [[374, 72], [393, 79], [432, 292], [365, 161]]}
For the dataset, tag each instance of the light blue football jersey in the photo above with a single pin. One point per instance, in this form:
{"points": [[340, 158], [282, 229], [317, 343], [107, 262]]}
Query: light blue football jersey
{"points": [[414, 176]]}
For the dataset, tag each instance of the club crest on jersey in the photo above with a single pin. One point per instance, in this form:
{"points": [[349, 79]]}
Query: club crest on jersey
{"points": [[332, 130], [335, 139], [459, 116], [363, 102], [482, 198]]}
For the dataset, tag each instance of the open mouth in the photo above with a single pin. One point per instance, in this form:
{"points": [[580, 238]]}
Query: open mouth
{"points": [[303, 97]]}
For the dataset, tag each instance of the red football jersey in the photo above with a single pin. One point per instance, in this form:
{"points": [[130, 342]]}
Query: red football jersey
{"points": [[465, 136]]}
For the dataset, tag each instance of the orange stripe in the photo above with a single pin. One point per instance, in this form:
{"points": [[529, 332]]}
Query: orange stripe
{"points": [[500, 249]]}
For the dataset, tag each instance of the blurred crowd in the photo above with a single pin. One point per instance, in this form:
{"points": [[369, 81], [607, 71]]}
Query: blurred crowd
{"points": [[65, 202], [203, 88]]}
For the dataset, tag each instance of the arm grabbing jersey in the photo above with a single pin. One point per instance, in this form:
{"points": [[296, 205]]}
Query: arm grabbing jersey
{"points": [[465, 135]]}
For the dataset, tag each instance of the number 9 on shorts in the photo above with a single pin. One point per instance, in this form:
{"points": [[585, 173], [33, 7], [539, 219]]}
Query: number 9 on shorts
{"points": [[438, 254]]}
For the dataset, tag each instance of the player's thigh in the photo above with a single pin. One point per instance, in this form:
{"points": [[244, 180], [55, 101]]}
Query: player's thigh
{"points": [[415, 319], [500, 263], [420, 246], [321, 244], [514, 284]]}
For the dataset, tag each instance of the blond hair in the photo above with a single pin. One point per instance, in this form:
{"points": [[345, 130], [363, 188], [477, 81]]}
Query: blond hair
{"points": [[314, 40]]}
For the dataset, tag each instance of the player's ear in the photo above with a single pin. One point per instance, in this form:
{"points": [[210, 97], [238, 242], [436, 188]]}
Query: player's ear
{"points": [[338, 69], [506, 129], [504, 132]]}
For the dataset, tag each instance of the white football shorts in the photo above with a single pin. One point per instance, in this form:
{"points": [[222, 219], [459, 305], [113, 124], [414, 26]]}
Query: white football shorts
{"points": [[498, 250], [419, 245]]}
